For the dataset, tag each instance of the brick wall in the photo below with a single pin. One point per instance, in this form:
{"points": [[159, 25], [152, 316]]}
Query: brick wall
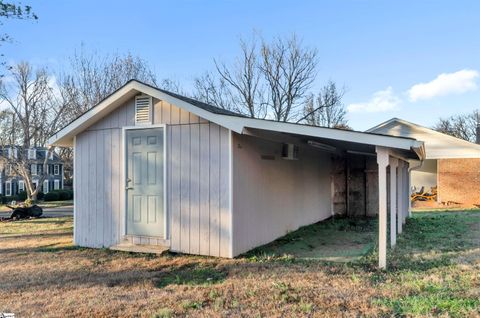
{"points": [[459, 180]]}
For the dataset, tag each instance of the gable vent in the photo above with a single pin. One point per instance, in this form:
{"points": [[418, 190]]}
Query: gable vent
{"points": [[143, 106]]}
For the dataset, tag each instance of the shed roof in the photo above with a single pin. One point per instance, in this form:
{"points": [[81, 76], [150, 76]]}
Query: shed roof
{"points": [[437, 144], [230, 120]]}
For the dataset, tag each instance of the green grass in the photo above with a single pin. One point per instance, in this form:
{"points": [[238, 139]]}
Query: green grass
{"points": [[425, 266], [329, 240], [192, 274], [37, 226]]}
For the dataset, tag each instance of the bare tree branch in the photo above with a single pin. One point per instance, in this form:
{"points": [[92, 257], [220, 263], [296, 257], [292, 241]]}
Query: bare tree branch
{"points": [[33, 116], [462, 126], [326, 108]]}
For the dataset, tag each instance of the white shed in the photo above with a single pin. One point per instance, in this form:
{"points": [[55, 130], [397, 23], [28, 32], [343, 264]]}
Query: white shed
{"points": [[155, 168]]}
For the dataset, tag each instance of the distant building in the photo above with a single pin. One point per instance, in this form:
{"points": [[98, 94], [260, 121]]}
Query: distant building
{"points": [[452, 165], [11, 183]]}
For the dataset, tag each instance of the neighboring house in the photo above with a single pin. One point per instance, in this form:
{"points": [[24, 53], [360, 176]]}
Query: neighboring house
{"points": [[452, 164], [155, 168], [11, 183]]}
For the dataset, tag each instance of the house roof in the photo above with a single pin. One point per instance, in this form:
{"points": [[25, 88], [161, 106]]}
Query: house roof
{"points": [[437, 144], [40, 155], [230, 120]]}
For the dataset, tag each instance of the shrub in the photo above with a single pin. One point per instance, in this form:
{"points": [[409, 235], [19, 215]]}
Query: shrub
{"points": [[52, 196], [65, 194], [22, 196], [7, 200], [40, 195]]}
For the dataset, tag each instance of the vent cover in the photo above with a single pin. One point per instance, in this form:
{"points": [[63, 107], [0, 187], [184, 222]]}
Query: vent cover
{"points": [[143, 105], [289, 152]]}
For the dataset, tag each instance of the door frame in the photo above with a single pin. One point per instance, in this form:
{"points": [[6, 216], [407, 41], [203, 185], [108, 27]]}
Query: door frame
{"points": [[166, 230]]}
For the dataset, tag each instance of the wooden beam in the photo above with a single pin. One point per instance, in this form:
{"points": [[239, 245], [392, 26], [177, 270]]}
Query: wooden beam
{"points": [[382, 161], [393, 201]]}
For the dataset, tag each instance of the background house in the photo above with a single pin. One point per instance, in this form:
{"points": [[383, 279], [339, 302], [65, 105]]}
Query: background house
{"points": [[452, 164], [11, 183]]}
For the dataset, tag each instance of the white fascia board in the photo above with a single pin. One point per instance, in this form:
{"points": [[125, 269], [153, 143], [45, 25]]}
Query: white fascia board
{"points": [[334, 134]]}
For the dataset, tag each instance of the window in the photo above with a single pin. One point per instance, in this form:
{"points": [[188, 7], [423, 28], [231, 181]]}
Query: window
{"points": [[45, 186], [8, 170], [33, 169], [35, 184], [15, 153], [143, 106], [56, 184], [9, 152], [56, 170], [8, 188], [21, 185], [32, 154]]}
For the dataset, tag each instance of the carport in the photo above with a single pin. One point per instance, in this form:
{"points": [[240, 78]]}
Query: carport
{"points": [[379, 186]]}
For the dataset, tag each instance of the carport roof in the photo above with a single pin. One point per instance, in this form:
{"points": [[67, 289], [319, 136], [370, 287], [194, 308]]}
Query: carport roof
{"points": [[230, 120]]}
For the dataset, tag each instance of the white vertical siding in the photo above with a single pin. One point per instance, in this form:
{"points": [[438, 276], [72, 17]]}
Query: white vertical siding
{"points": [[197, 181], [274, 197]]}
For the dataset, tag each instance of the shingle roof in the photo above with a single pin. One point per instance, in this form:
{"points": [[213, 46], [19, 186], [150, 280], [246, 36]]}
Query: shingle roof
{"points": [[205, 106]]}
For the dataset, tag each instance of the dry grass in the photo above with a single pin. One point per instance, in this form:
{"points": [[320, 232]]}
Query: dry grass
{"points": [[42, 274]]}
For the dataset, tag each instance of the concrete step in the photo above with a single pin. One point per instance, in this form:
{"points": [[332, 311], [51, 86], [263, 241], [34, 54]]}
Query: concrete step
{"points": [[136, 248]]}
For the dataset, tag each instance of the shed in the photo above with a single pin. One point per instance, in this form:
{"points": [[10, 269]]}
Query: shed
{"points": [[154, 168], [452, 165]]}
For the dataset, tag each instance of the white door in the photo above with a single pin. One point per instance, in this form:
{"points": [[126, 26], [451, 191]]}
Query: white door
{"points": [[145, 182]]}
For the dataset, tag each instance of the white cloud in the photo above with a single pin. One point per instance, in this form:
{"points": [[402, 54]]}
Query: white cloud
{"points": [[381, 101], [445, 84]]}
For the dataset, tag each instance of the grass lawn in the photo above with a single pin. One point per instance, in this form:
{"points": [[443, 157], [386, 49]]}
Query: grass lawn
{"points": [[434, 271]]}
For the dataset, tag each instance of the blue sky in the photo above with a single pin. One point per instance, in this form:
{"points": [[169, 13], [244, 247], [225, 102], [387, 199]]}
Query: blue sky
{"points": [[378, 49]]}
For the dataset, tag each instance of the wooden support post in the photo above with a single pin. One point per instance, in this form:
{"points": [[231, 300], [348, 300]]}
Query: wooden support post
{"points": [[382, 161], [393, 201], [400, 198]]}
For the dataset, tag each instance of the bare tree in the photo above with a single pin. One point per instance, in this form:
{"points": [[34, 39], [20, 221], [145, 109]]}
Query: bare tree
{"points": [[35, 113], [268, 79], [462, 126], [289, 70], [326, 108], [215, 91], [246, 90], [92, 77]]}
